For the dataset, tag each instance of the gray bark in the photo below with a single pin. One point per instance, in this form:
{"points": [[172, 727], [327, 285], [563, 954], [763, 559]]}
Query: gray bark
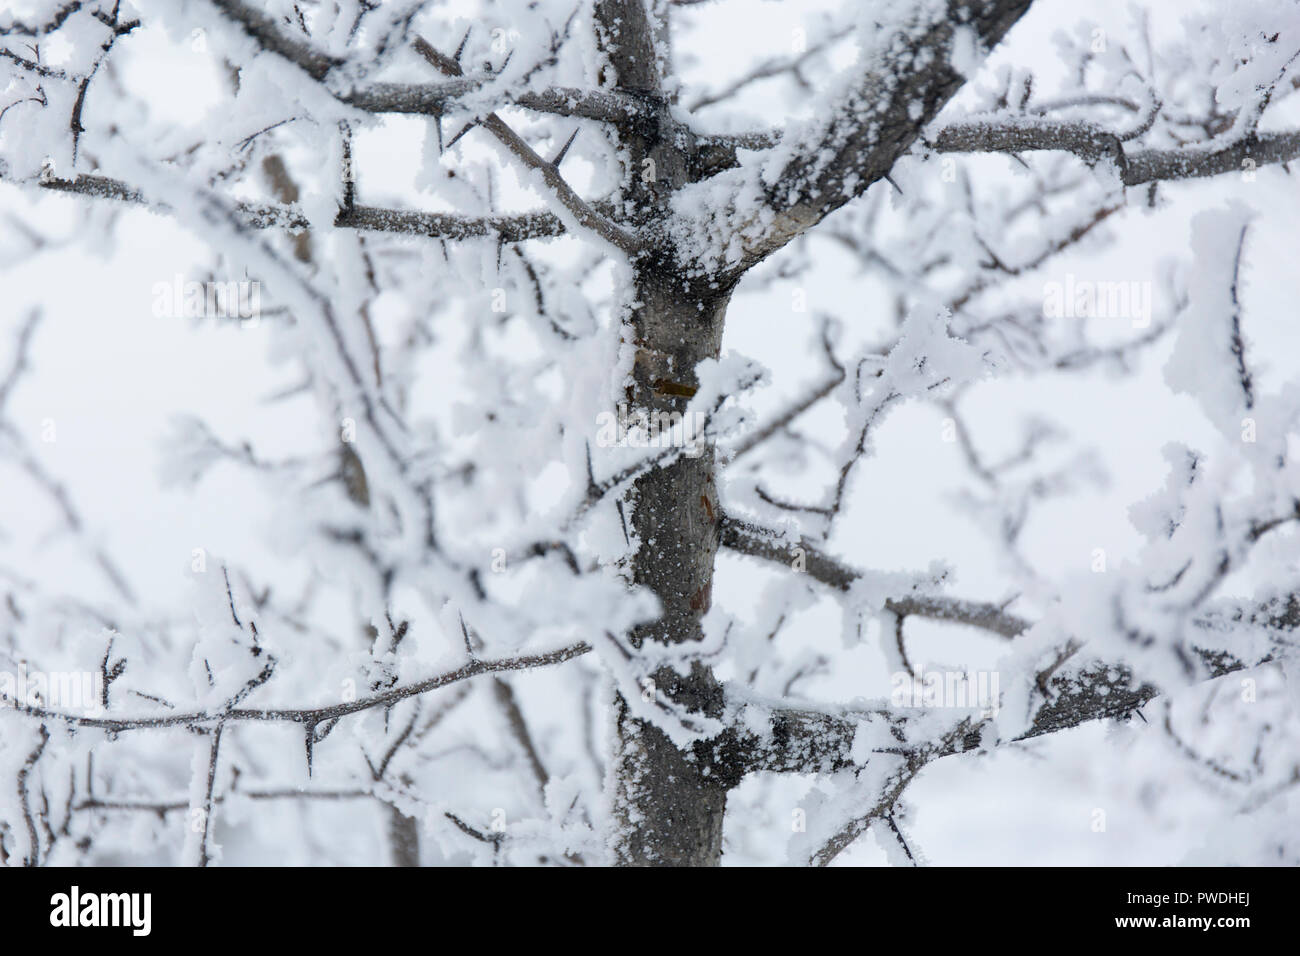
{"points": [[669, 803], [403, 838], [669, 806]]}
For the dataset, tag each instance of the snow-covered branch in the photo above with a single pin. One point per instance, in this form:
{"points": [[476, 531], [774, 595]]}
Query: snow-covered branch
{"points": [[430, 225], [309, 717], [908, 77], [1093, 144]]}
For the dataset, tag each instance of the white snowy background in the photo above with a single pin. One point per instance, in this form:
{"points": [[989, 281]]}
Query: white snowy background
{"points": [[112, 377]]}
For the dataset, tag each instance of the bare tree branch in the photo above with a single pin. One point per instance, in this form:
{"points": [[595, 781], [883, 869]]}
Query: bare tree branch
{"points": [[271, 38], [586, 216], [204, 821], [34, 843], [768, 70], [438, 99], [747, 538], [507, 228], [875, 123], [1092, 144], [912, 765], [311, 716], [505, 697]]}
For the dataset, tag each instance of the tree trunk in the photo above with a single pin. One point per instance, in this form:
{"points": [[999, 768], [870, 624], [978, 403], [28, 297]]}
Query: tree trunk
{"points": [[403, 838], [667, 807]]}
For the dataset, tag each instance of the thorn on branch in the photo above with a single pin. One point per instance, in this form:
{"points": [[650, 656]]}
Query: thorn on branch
{"points": [[559, 157]]}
